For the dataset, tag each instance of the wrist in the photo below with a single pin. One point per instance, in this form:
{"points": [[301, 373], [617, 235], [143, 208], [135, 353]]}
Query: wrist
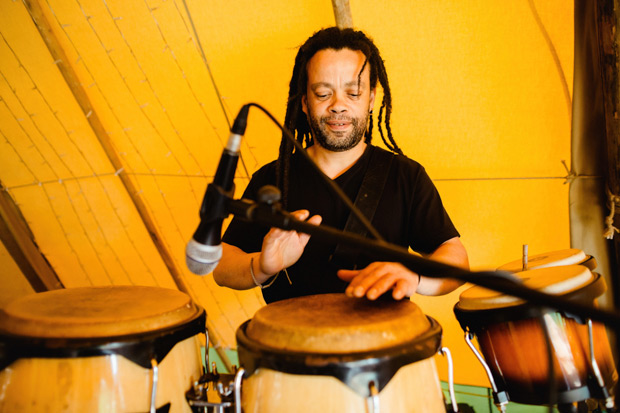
{"points": [[256, 273], [419, 280]]}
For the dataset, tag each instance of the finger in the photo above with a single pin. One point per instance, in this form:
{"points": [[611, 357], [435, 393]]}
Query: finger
{"points": [[402, 286], [359, 286], [347, 275], [352, 275], [315, 220], [402, 289], [303, 237], [382, 285], [301, 214], [402, 283]]}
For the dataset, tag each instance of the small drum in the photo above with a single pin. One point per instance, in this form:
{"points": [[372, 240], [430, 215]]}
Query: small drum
{"points": [[571, 256], [339, 354], [512, 340], [108, 349]]}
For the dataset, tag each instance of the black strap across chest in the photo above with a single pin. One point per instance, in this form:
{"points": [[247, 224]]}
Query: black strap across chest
{"points": [[366, 201]]}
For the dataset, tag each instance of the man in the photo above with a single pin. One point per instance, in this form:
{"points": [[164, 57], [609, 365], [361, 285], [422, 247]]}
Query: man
{"points": [[331, 97]]}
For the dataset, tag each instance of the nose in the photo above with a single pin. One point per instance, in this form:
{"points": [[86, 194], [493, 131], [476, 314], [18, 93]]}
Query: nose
{"points": [[337, 105]]}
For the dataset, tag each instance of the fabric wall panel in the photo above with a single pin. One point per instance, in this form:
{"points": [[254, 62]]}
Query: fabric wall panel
{"points": [[478, 90]]}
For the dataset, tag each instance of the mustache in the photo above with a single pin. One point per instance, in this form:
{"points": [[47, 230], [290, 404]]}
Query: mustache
{"points": [[326, 119]]}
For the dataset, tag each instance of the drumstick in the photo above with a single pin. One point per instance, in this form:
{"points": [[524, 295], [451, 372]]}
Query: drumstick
{"points": [[524, 258]]}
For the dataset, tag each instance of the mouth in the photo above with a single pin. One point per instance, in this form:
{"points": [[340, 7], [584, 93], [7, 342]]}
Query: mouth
{"points": [[337, 125]]}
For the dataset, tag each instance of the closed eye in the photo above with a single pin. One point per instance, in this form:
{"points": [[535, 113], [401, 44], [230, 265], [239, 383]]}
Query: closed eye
{"points": [[354, 92]]}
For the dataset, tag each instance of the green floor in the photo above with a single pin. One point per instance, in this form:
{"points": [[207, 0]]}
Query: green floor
{"points": [[481, 400], [478, 398]]}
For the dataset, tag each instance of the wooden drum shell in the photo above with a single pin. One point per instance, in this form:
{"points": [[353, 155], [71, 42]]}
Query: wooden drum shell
{"points": [[108, 383], [411, 389], [515, 351]]}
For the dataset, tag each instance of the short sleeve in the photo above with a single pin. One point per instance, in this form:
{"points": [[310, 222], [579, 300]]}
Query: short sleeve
{"points": [[430, 224]]}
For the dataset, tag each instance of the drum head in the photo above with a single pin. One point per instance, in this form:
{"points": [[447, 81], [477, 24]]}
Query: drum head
{"points": [[335, 323], [92, 312], [552, 280], [571, 256]]}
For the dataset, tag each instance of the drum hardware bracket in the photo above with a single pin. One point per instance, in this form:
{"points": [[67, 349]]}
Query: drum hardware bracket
{"points": [[445, 351], [372, 402], [524, 258], [499, 397], [238, 378], [609, 401], [197, 399], [225, 392], [155, 373], [225, 385], [205, 406], [206, 353], [213, 376]]}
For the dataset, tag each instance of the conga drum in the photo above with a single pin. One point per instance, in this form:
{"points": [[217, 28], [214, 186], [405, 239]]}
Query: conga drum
{"points": [[571, 256], [333, 353], [512, 339], [100, 349]]}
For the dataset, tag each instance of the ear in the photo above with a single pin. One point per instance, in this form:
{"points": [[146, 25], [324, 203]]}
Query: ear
{"points": [[372, 98], [304, 104]]}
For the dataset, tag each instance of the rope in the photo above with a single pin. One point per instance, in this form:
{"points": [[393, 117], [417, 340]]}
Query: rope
{"points": [[570, 174], [610, 230]]}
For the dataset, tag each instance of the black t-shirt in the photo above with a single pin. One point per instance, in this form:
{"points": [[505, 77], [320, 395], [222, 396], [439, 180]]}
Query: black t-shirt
{"points": [[410, 214]]}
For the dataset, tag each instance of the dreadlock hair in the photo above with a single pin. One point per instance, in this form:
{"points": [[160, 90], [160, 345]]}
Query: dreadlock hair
{"points": [[295, 119]]}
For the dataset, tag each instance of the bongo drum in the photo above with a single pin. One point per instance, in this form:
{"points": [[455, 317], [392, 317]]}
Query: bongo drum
{"points": [[333, 353], [570, 256], [108, 349], [511, 337]]}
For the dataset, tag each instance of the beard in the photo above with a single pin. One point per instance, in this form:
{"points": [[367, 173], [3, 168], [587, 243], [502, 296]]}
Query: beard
{"points": [[337, 141]]}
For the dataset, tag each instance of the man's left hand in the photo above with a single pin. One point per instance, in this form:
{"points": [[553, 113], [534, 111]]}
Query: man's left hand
{"points": [[378, 278]]}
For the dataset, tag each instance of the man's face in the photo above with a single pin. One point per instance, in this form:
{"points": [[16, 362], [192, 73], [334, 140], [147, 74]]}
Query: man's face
{"points": [[338, 100]]}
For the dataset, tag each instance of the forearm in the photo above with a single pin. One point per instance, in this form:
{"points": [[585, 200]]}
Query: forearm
{"points": [[233, 270], [451, 252]]}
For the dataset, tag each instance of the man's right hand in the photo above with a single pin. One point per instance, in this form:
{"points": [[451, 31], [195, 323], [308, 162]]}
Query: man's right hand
{"points": [[281, 248]]}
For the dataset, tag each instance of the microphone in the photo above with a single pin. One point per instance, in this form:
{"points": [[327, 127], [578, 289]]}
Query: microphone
{"points": [[204, 249]]}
